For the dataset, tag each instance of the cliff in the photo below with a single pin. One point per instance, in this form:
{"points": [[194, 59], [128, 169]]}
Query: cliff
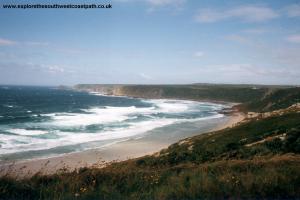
{"points": [[232, 93], [252, 97]]}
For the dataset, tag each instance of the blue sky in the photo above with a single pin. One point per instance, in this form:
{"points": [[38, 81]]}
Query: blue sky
{"points": [[152, 42]]}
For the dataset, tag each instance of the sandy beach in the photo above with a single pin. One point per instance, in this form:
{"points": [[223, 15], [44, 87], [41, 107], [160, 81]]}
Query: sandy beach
{"points": [[129, 149]]}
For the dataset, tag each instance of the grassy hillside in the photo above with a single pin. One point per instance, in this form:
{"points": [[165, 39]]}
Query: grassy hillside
{"points": [[256, 159], [274, 100]]}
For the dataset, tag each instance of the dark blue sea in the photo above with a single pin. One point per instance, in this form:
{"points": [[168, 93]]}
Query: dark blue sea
{"points": [[47, 121]]}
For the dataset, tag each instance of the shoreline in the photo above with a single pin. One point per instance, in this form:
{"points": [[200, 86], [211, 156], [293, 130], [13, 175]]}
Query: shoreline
{"points": [[121, 151]]}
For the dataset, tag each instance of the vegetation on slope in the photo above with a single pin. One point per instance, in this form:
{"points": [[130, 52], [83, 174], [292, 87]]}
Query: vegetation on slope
{"points": [[258, 158], [195, 92], [274, 100]]}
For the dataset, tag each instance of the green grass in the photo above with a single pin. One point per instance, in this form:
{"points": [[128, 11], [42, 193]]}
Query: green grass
{"points": [[279, 99], [230, 143], [259, 178]]}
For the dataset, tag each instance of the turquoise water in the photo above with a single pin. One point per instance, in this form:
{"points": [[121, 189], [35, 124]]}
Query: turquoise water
{"points": [[45, 121]]}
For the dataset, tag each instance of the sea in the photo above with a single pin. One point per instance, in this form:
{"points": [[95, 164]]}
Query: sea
{"points": [[39, 122]]}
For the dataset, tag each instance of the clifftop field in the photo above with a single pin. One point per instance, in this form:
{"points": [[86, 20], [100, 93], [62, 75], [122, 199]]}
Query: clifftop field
{"points": [[257, 158]]}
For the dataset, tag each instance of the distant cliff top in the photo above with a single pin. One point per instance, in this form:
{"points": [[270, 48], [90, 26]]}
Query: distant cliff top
{"points": [[252, 97]]}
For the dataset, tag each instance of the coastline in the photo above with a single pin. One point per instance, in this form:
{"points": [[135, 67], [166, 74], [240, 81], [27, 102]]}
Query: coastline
{"points": [[121, 151]]}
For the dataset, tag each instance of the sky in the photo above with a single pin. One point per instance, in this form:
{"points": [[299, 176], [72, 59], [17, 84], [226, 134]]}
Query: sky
{"points": [[151, 42]]}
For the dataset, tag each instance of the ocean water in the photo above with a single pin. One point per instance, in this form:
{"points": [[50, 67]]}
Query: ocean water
{"points": [[45, 121]]}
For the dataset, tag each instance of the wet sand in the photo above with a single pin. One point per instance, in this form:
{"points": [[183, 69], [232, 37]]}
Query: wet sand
{"points": [[129, 149]]}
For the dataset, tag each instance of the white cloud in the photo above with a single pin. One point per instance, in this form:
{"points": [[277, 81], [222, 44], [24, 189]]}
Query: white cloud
{"points": [[248, 13], [293, 10], [294, 38], [36, 43], [145, 76], [5, 42], [198, 54], [53, 69]]}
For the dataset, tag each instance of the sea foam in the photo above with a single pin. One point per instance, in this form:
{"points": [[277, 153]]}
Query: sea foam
{"points": [[117, 124]]}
